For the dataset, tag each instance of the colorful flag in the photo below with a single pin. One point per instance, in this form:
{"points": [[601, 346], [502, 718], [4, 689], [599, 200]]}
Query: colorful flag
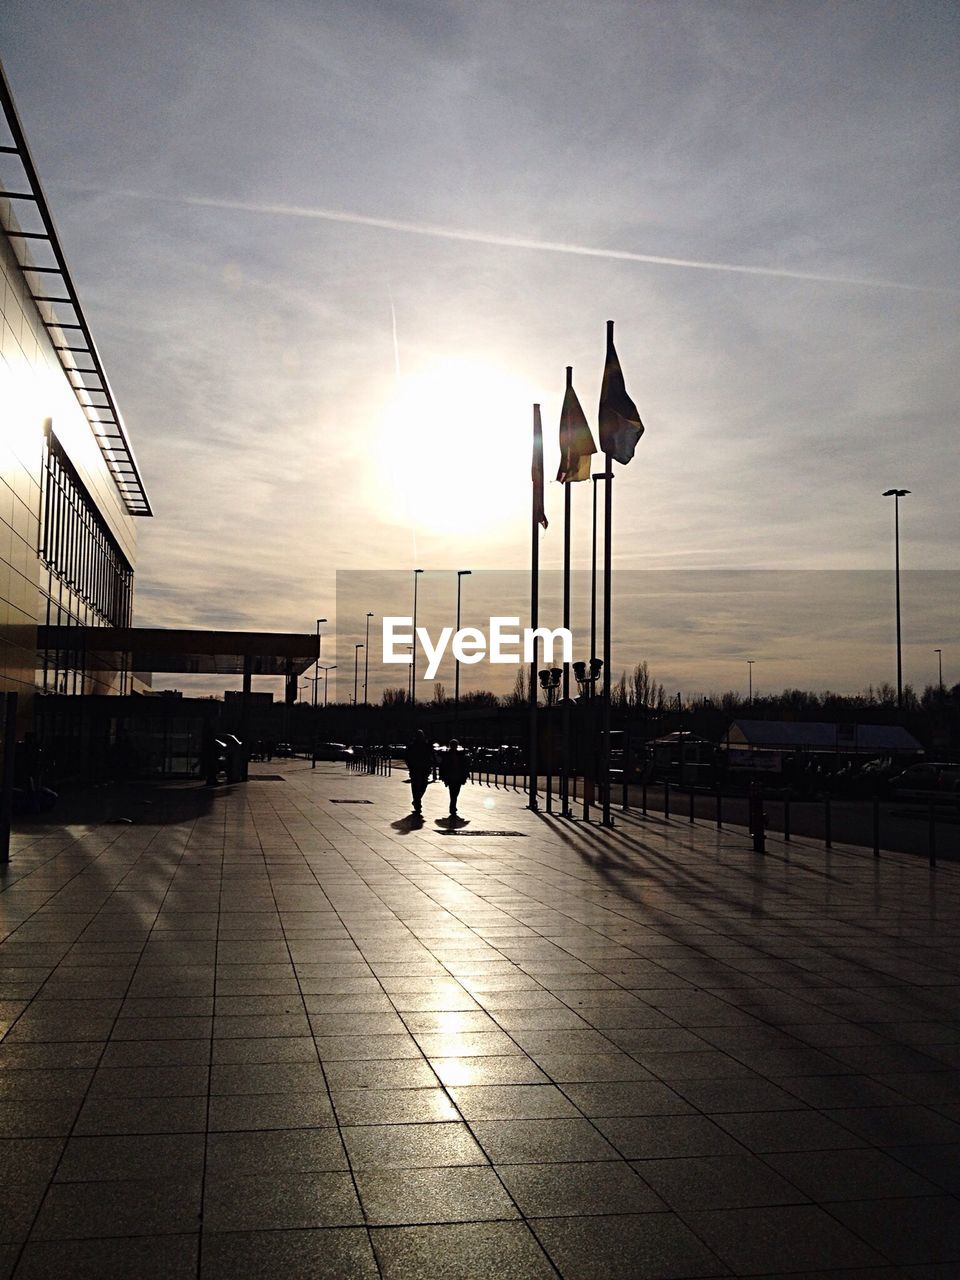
{"points": [[536, 471], [576, 442], [620, 425]]}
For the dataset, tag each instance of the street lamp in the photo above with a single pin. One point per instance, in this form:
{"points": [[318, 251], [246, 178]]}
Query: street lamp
{"points": [[896, 495], [600, 475], [366, 660], [750, 662], [939, 653], [586, 675], [317, 677], [461, 574], [332, 667], [413, 658], [356, 669], [549, 682]]}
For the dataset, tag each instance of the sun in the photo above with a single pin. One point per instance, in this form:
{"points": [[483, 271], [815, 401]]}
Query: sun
{"points": [[455, 446]]}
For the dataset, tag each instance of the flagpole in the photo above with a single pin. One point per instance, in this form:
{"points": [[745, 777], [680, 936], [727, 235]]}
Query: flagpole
{"points": [[533, 770], [565, 810], [607, 596]]}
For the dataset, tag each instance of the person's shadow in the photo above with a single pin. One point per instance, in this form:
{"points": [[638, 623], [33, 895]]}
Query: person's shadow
{"points": [[453, 822], [412, 822]]}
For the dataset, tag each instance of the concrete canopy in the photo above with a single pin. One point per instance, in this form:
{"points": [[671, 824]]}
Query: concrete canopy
{"points": [[181, 652]]}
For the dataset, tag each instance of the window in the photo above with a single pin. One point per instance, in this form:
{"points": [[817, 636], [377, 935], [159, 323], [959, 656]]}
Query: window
{"points": [[77, 545]]}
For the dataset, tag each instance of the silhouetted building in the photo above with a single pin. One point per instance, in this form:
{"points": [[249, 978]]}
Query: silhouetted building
{"points": [[70, 488]]}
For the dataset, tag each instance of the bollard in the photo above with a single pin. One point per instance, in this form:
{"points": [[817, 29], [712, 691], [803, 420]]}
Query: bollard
{"points": [[719, 809], [692, 805], [827, 824], [932, 834], [757, 818], [666, 799], [876, 826], [643, 799], [786, 819]]}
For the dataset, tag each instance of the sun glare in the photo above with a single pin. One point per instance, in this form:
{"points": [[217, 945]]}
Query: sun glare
{"points": [[455, 448]]}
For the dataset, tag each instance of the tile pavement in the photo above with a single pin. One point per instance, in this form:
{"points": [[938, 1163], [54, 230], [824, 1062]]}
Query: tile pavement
{"points": [[258, 1034]]}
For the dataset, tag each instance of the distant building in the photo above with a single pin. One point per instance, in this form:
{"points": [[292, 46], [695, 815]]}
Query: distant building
{"points": [[764, 744], [70, 487]]}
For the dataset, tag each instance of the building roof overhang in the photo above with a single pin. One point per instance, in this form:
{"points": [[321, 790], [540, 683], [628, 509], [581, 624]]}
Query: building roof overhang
{"points": [[182, 652], [38, 251]]}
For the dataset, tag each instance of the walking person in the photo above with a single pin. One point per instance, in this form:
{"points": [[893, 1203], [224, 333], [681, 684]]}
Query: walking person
{"points": [[420, 762], [454, 770]]}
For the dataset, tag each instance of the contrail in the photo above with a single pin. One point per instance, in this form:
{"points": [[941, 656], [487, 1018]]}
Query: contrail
{"points": [[437, 232]]}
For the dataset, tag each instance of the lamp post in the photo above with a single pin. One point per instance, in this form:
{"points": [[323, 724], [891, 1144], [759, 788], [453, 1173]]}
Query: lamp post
{"points": [[586, 676], [896, 495], [549, 682], [366, 660], [317, 676], [939, 653], [413, 657], [750, 662], [461, 574], [356, 669], [600, 475], [332, 667]]}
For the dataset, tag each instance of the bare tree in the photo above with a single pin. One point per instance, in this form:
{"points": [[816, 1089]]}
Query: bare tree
{"points": [[644, 690], [517, 696], [619, 694]]}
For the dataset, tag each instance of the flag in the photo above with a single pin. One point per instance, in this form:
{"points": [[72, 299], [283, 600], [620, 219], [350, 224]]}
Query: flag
{"points": [[536, 471], [576, 442], [620, 425]]}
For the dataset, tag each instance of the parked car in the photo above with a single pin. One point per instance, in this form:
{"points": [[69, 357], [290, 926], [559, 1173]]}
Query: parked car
{"points": [[332, 751], [927, 780]]}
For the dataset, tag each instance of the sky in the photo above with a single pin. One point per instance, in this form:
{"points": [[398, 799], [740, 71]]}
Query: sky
{"points": [[332, 252]]}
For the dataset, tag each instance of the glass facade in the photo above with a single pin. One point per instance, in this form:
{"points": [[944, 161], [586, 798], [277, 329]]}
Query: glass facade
{"points": [[67, 541], [85, 579]]}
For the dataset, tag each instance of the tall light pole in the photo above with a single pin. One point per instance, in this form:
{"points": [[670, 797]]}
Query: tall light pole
{"points": [[317, 676], [750, 662], [461, 574], [413, 659], [896, 495], [939, 653], [332, 667], [356, 669], [366, 660]]}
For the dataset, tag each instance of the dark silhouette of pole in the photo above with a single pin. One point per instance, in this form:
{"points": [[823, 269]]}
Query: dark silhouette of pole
{"points": [[565, 758], [532, 763], [461, 574], [319, 620], [593, 569], [939, 653], [750, 662], [413, 656], [366, 660], [607, 599], [356, 669], [325, 670], [896, 495]]}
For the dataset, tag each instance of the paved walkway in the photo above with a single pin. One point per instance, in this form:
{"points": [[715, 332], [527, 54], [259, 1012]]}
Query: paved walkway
{"points": [[259, 1033]]}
